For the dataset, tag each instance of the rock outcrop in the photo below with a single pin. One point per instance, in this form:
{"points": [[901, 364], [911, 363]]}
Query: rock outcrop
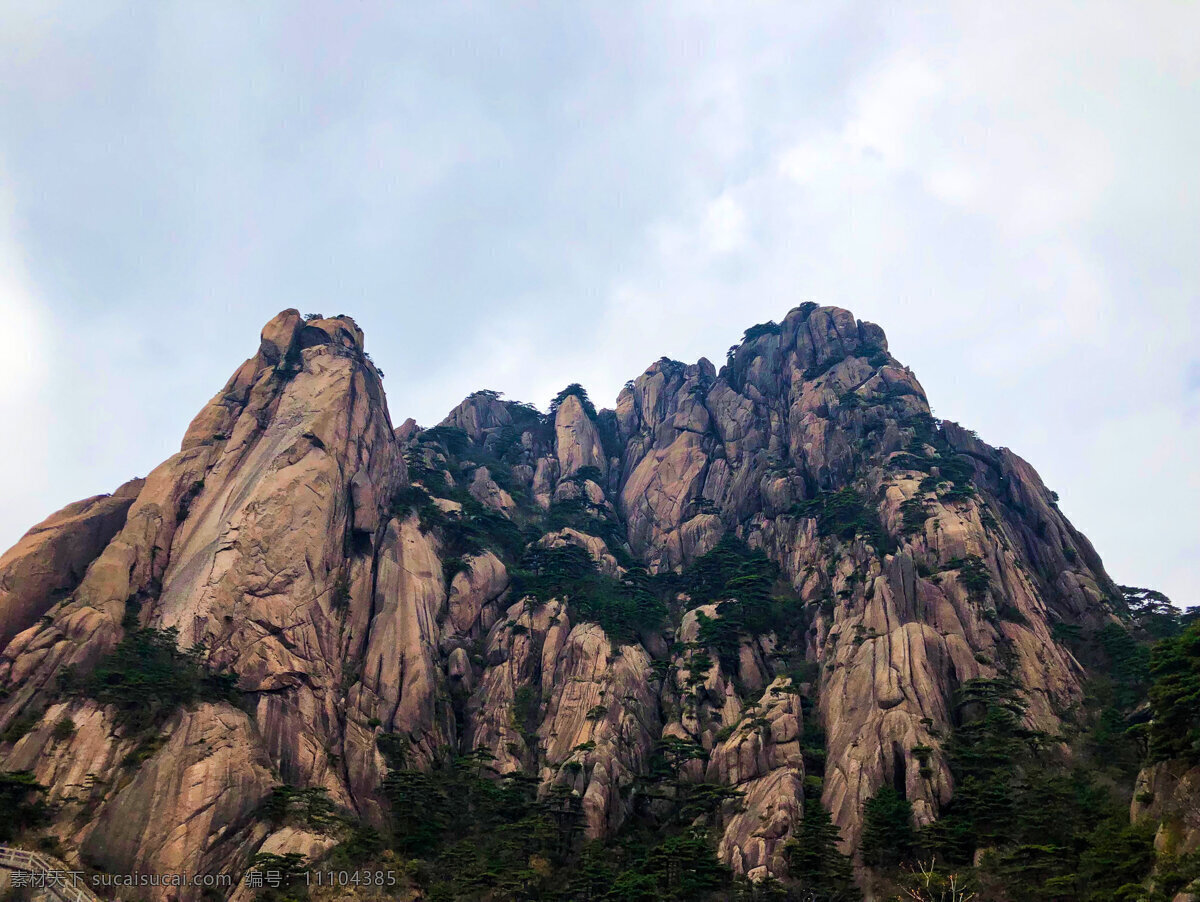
{"points": [[364, 584], [50, 560]]}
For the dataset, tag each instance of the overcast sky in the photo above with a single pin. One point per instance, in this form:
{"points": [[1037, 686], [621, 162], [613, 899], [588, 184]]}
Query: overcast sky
{"points": [[520, 196]]}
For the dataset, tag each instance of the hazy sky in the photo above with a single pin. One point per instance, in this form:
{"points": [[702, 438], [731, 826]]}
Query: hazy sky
{"points": [[519, 196]]}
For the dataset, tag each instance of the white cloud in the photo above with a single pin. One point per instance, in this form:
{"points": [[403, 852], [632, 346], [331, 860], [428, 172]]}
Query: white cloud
{"points": [[24, 364], [724, 225], [890, 107], [957, 201], [517, 200], [23, 338]]}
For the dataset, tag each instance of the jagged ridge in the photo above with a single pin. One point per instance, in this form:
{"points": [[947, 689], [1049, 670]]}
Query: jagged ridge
{"points": [[288, 538]]}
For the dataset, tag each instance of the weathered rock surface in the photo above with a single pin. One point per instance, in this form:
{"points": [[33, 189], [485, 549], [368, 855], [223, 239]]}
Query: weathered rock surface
{"points": [[251, 541], [50, 560], [602, 715], [503, 713], [593, 545], [485, 490], [272, 538], [762, 758], [820, 406], [577, 441], [189, 803], [1168, 793]]}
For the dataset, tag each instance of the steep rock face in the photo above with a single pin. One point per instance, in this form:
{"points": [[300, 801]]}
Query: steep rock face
{"points": [[256, 541], [479, 416], [504, 712], [286, 537], [601, 715], [762, 758], [668, 450], [567, 703], [751, 733], [202, 787], [815, 407], [50, 560], [577, 441], [1168, 794], [485, 490], [398, 680]]}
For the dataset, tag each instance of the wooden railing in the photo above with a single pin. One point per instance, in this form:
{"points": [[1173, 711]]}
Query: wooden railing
{"points": [[49, 875]]}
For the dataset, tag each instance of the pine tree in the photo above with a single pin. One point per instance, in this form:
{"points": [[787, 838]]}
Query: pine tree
{"points": [[888, 837], [814, 860]]}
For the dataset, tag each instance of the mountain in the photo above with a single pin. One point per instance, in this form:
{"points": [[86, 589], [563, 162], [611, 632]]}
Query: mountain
{"points": [[754, 631]]}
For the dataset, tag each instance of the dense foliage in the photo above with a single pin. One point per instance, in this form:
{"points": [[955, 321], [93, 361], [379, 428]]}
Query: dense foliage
{"points": [[467, 832], [929, 451], [1046, 829], [753, 601], [578, 391], [844, 515], [147, 677], [622, 607], [888, 837], [593, 519], [1175, 697], [21, 803], [815, 863]]}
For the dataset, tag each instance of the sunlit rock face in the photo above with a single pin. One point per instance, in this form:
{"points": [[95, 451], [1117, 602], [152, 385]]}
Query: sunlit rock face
{"points": [[289, 539]]}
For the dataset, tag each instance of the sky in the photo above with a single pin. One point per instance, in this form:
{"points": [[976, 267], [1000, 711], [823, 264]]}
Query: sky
{"points": [[519, 196]]}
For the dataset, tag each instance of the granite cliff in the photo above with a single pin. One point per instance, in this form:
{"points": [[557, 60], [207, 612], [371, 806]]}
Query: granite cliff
{"points": [[770, 582]]}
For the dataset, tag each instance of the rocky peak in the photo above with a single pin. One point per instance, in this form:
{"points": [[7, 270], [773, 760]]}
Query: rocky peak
{"points": [[576, 440], [478, 415], [764, 587]]}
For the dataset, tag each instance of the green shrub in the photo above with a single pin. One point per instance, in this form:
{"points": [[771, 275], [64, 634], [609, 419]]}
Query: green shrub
{"points": [[408, 499], [340, 598], [21, 724], [770, 327], [1117, 859], [956, 472], [22, 806], [975, 577], [451, 567], [754, 601], [526, 711], [308, 806], [394, 748], [915, 513], [844, 515], [876, 357], [621, 607], [820, 368], [1175, 697], [452, 440], [592, 519], [754, 332], [888, 836], [147, 678], [588, 474], [814, 861], [579, 392]]}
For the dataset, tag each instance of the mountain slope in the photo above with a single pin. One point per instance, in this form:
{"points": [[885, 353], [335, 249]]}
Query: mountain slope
{"points": [[736, 591]]}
